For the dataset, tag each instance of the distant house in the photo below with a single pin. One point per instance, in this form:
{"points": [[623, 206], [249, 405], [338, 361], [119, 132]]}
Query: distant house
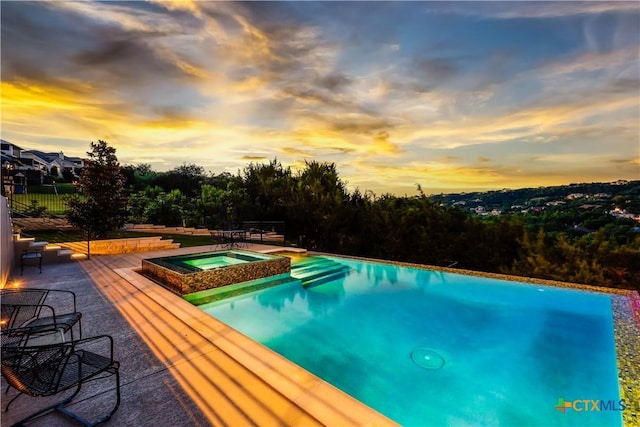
{"points": [[59, 160], [18, 158], [9, 149], [574, 196], [622, 213], [10, 156], [76, 161], [36, 160], [602, 196]]}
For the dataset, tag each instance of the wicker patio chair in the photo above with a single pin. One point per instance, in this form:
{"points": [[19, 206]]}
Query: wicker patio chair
{"points": [[33, 309], [47, 370]]}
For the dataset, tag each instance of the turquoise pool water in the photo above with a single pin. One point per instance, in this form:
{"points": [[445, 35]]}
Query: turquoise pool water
{"points": [[208, 260], [433, 349], [214, 262]]}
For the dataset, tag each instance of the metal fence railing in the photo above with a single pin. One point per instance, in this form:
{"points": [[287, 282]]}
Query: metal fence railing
{"points": [[267, 230], [50, 198]]}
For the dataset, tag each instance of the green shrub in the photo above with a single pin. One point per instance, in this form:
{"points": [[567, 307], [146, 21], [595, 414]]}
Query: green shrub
{"points": [[35, 210]]}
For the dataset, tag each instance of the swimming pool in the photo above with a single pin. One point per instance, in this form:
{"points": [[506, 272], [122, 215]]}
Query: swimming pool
{"points": [[431, 348]]}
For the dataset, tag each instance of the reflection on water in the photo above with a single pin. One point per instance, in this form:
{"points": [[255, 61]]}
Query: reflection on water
{"points": [[424, 278], [378, 273], [501, 341], [278, 300], [384, 274], [319, 299], [375, 273]]}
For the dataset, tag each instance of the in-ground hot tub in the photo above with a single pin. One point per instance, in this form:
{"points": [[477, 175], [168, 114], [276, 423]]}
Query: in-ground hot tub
{"points": [[185, 274]]}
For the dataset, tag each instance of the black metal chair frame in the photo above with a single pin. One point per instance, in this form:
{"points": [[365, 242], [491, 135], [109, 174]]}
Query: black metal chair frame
{"points": [[241, 238], [229, 239], [221, 240], [29, 255], [28, 308], [22, 335], [47, 370]]}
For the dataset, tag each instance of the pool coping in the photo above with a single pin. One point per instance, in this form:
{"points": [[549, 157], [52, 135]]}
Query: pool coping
{"points": [[626, 324]]}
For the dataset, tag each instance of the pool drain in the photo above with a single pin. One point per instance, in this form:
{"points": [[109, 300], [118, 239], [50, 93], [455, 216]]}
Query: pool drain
{"points": [[427, 358]]}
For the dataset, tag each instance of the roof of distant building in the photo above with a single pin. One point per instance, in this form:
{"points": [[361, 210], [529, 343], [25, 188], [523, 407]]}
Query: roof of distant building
{"points": [[49, 157]]}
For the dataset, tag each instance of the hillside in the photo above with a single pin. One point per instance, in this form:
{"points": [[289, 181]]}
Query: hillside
{"points": [[624, 195]]}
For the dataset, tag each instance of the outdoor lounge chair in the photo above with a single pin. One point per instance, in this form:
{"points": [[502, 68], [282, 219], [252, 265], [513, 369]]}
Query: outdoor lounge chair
{"points": [[33, 309], [47, 370], [31, 257]]}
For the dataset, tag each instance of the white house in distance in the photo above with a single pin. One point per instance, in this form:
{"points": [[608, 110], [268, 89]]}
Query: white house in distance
{"points": [[15, 157], [622, 213]]}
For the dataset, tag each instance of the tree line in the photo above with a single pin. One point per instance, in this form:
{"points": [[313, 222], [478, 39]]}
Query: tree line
{"points": [[322, 215]]}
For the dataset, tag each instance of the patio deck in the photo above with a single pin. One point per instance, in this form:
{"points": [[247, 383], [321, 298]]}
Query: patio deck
{"points": [[180, 366]]}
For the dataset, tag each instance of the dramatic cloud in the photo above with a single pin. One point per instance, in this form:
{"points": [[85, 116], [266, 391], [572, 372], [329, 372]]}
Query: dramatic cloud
{"points": [[449, 95]]}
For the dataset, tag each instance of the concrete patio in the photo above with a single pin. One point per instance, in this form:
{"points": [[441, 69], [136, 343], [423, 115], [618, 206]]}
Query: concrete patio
{"points": [[178, 365]]}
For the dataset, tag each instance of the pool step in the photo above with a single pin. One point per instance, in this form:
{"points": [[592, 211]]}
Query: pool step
{"points": [[315, 273], [308, 260], [318, 271], [321, 263], [216, 294], [309, 284]]}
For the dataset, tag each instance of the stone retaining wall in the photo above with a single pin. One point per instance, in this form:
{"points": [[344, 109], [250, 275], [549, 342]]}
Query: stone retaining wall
{"points": [[122, 246]]}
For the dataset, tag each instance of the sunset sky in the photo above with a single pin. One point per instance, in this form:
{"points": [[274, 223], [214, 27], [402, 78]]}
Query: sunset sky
{"points": [[453, 96]]}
